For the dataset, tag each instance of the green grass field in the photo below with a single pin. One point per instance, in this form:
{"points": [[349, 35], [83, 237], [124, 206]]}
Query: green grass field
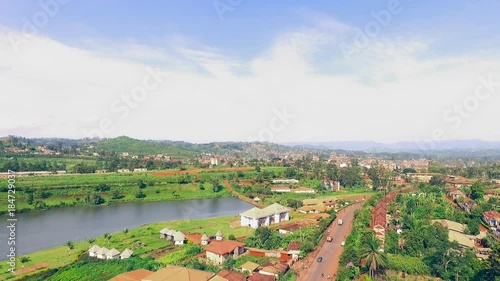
{"points": [[144, 241]]}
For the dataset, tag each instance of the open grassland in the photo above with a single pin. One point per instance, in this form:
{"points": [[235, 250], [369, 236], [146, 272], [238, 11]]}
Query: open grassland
{"points": [[63, 190]]}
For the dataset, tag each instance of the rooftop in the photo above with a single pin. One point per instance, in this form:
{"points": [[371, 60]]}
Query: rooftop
{"points": [[223, 247], [267, 211], [177, 273], [136, 275]]}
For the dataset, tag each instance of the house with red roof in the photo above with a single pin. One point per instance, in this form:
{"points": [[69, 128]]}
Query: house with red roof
{"points": [[218, 251], [491, 218]]}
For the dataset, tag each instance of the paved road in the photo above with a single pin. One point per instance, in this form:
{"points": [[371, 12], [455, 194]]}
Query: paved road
{"points": [[331, 251]]}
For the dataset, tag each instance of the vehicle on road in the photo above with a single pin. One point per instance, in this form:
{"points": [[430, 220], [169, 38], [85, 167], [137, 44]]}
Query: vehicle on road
{"points": [[320, 259], [342, 243], [341, 222], [329, 239]]}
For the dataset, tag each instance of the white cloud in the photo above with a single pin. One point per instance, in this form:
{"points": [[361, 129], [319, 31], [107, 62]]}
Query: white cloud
{"points": [[384, 93]]}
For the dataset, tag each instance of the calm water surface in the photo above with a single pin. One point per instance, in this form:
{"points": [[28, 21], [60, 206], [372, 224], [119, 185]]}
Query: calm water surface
{"points": [[40, 230]]}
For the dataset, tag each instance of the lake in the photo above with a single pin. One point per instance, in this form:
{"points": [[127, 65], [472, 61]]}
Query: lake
{"points": [[41, 230]]}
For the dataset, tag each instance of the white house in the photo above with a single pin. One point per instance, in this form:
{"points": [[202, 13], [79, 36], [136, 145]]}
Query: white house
{"points": [[140, 170], [204, 240], [219, 236], [304, 190], [164, 232], [113, 254], [93, 250], [256, 217], [285, 181], [126, 254], [179, 238], [101, 254], [281, 189]]}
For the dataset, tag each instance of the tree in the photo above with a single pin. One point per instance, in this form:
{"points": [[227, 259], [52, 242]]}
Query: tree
{"points": [[409, 170], [216, 186], [375, 260], [31, 198], [493, 263], [102, 187], [90, 240], [71, 245], [141, 184], [140, 194], [477, 190], [437, 180], [116, 194], [24, 259], [97, 199], [231, 237]]}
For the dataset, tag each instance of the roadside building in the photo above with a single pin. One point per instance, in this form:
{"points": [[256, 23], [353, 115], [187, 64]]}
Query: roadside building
{"points": [[256, 217]]}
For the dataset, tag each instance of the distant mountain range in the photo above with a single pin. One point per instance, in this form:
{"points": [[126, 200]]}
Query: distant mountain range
{"points": [[405, 146]]}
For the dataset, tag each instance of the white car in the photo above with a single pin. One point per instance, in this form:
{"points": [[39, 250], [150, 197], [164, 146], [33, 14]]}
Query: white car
{"points": [[342, 243]]}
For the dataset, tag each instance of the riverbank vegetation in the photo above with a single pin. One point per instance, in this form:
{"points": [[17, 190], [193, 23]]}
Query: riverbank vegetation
{"points": [[144, 241]]}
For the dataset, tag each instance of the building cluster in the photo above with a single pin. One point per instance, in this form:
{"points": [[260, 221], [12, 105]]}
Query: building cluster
{"points": [[379, 218], [105, 254]]}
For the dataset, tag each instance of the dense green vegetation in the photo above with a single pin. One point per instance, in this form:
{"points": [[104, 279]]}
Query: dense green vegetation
{"points": [[423, 248], [91, 269], [138, 147]]}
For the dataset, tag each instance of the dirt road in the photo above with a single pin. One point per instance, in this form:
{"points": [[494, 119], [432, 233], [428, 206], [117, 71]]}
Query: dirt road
{"points": [[330, 251]]}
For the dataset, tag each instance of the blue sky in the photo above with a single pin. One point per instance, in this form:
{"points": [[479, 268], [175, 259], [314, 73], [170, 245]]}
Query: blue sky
{"points": [[261, 56], [251, 25]]}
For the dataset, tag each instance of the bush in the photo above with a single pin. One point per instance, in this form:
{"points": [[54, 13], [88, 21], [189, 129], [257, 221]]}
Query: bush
{"points": [[410, 265], [140, 194]]}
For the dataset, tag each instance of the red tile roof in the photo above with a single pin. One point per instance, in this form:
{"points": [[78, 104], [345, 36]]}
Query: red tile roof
{"points": [[260, 277], [294, 246], [492, 215], [232, 276], [223, 247]]}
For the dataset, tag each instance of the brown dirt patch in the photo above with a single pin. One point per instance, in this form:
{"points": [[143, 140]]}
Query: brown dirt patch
{"points": [[197, 171], [31, 268], [158, 253]]}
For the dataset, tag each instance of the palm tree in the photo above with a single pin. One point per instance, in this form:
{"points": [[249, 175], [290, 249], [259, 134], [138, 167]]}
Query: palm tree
{"points": [[107, 236], [71, 245], [91, 240], [376, 261]]}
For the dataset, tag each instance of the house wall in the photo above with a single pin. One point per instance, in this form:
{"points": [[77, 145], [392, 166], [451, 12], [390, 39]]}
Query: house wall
{"points": [[215, 258]]}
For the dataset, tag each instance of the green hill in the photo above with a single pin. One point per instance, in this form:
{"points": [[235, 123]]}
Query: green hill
{"points": [[139, 147]]}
